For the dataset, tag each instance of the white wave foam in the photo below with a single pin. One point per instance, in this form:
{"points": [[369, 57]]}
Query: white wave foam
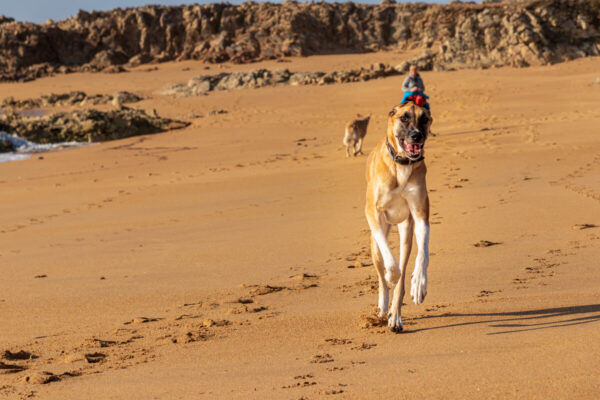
{"points": [[4, 157], [24, 148]]}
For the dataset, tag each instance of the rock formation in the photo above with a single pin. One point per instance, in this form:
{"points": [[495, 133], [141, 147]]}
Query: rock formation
{"points": [[455, 35], [86, 125], [203, 84], [70, 99], [6, 146]]}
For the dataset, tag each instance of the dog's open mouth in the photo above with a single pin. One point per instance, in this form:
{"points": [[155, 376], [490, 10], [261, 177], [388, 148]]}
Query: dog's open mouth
{"points": [[412, 150]]}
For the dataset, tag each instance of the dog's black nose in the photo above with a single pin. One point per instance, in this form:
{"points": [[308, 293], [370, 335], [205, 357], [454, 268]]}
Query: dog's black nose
{"points": [[416, 136]]}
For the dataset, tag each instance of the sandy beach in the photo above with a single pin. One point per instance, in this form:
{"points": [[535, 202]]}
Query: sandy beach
{"points": [[230, 259]]}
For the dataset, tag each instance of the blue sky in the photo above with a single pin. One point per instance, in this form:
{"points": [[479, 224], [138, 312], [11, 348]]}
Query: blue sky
{"points": [[41, 10]]}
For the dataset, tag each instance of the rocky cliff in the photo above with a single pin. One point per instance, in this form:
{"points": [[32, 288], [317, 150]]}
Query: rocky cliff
{"points": [[452, 36]]}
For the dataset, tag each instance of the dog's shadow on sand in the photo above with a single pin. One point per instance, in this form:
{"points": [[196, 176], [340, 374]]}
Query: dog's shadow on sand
{"points": [[521, 321]]}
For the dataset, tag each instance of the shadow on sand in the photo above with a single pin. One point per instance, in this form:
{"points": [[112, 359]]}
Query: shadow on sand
{"points": [[521, 321]]}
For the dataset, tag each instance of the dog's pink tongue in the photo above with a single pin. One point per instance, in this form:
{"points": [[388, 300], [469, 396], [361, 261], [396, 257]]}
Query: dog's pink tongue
{"points": [[413, 148]]}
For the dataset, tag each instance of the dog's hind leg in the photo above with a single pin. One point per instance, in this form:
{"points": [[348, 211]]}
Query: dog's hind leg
{"points": [[359, 145], [405, 231]]}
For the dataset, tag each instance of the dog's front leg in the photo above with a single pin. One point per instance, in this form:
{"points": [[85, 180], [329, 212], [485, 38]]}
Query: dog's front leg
{"points": [[392, 272], [382, 256], [383, 298], [405, 231], [418, 289]]}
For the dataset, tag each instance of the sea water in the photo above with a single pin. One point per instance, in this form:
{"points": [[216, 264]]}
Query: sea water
{"points": [[24, 148]]}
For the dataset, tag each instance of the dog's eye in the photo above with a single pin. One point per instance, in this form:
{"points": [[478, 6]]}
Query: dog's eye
{"points": [[424, 119], [404, 118]]}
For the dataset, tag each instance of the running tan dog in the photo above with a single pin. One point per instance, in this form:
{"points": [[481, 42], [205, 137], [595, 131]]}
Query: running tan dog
{"points": [[355, 131], [397, 194]]}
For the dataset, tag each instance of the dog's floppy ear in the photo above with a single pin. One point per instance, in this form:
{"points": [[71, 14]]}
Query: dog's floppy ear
{"points": [[392, 112]]}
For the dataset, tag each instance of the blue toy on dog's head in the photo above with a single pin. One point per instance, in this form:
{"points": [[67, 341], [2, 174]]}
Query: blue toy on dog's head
{"points": [[417, 97]]}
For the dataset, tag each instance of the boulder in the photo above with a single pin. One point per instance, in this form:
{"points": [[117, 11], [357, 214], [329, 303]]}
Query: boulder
{"points": [[6, 146]]}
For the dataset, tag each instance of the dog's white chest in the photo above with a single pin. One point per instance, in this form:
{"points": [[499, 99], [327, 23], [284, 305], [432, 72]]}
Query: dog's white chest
{"points": [[402, 176], [393, 203]]}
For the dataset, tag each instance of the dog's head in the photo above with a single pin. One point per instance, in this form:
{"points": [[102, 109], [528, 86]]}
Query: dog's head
{"points": [[408, 127], [363, 118]]}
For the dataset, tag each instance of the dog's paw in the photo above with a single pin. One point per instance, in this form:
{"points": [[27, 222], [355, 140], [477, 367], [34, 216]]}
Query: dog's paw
{"points": [[392, 275], [418, 287], [395, 323], [382, 303]]}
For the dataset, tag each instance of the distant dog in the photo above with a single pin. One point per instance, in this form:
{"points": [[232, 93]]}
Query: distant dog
{"points": [[397, 194], [354, 135]]}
